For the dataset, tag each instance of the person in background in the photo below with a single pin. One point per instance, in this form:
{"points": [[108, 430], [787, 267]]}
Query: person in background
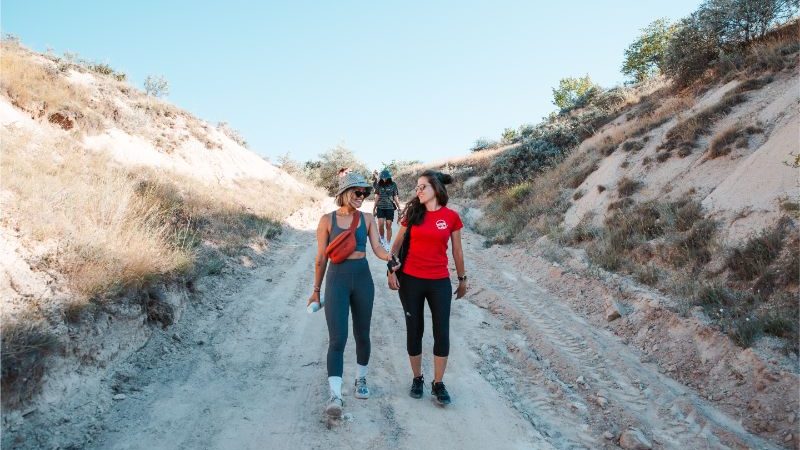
{"points": [[387, 200]]}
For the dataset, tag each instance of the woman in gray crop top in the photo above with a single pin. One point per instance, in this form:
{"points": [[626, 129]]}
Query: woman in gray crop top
{"points": [[348, 286]]}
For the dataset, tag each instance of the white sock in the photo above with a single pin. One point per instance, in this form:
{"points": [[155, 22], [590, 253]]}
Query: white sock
{"points": [[362, 371], [336, 386]]}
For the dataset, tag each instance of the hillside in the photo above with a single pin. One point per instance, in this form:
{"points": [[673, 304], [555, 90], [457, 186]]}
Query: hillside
{"points": [[675, 209], [115, 204]]}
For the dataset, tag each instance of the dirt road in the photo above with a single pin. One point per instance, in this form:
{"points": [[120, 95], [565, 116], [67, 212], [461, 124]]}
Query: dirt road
{"points": [[245, 369]]}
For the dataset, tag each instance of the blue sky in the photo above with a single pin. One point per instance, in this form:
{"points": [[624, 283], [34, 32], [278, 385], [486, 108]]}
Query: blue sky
{"points": [[389, 80]]}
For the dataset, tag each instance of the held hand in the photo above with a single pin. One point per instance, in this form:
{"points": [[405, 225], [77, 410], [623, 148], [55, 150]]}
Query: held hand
{"points": [[461, 290], [394, 283], [393, 263]]}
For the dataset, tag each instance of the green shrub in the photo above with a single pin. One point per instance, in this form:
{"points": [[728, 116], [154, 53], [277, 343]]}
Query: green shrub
{"points": [[519, 164], [572, 90], [156, 85], [510, 136], [482, 144]]}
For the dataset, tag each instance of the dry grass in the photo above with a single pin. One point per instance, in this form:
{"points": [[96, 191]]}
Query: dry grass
{"points": [[683, 136], [627, 187], [108, 234], [734, 136], [648, 119], [116, 228], [753, 259], [36, 86], [776, 51], [26, 342], [538, 208]]}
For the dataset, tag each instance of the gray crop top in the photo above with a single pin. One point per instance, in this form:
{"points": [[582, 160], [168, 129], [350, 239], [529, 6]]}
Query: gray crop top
{"points": [[361, 232]]}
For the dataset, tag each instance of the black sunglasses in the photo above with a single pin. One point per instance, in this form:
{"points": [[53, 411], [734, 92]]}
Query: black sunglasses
{"points": [[359, 193]]}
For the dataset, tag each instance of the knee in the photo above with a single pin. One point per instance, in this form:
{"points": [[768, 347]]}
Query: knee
{"points": [[337, 343], [441, 348], [414, 347]]}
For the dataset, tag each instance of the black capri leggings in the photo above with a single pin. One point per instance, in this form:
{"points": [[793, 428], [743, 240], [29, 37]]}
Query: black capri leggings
{"points": [[413, 292], [348, 286]]}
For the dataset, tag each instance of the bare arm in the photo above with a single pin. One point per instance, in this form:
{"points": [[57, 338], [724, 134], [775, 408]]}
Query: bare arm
{"points": [[374, 239], [394, 283], [458, 258], [398, 240], [321, 260]]}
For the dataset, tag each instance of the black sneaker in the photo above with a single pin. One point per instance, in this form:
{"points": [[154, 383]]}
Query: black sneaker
{"points": [[439, 393], [416, 387]]}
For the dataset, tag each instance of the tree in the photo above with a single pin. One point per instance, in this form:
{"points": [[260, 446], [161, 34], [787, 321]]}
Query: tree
{"points": [[483, 144], [397, 166], [510, 136], [738, 22], [157, 86], [571, 90], [644, 58], [324, 172], [720, 26], [692, 49]]}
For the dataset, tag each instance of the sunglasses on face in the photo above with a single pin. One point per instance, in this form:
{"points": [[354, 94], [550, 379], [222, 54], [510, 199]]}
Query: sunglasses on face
{"points": [[420, 187], [360, 194]]}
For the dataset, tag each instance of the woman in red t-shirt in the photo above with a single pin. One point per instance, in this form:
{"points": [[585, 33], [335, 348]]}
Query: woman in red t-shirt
{"points": [[424, 275]]}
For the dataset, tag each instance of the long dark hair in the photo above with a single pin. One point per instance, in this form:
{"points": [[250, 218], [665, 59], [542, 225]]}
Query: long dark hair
{"points": [[414, 212]]}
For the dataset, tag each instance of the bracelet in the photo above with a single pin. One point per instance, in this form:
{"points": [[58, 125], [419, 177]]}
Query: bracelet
{"points": [[316, 289], [464, 278]]}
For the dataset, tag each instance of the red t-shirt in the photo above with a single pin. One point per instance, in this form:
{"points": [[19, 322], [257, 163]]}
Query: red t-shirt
{"points": [[427, 251]]}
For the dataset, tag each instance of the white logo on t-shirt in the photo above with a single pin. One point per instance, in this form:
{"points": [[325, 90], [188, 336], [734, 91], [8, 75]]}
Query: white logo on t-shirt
{"points": [[441, 224]]}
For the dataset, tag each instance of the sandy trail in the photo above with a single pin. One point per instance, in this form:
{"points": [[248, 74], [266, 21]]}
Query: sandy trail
{"points": [[245, 369]]}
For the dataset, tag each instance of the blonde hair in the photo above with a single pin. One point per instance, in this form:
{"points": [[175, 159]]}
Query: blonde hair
{"points": [[344, 197]]}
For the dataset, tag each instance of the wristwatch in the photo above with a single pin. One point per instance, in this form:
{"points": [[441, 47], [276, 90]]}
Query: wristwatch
{"points": [[464, 278]]}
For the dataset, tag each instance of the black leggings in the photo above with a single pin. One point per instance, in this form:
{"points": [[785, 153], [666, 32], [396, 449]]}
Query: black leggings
{"points": [[413, 292], [348, 285]]}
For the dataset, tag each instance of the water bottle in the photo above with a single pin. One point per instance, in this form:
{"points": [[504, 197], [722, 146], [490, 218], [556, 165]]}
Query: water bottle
{"points": [[314, 307]]}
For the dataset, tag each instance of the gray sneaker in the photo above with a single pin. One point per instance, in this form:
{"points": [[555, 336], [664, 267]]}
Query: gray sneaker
{"points": [[361, 389], [334, 408]]}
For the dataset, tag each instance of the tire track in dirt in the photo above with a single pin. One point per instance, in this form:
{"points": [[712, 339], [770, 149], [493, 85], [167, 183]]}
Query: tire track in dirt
{"points": [[636, 394]]}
